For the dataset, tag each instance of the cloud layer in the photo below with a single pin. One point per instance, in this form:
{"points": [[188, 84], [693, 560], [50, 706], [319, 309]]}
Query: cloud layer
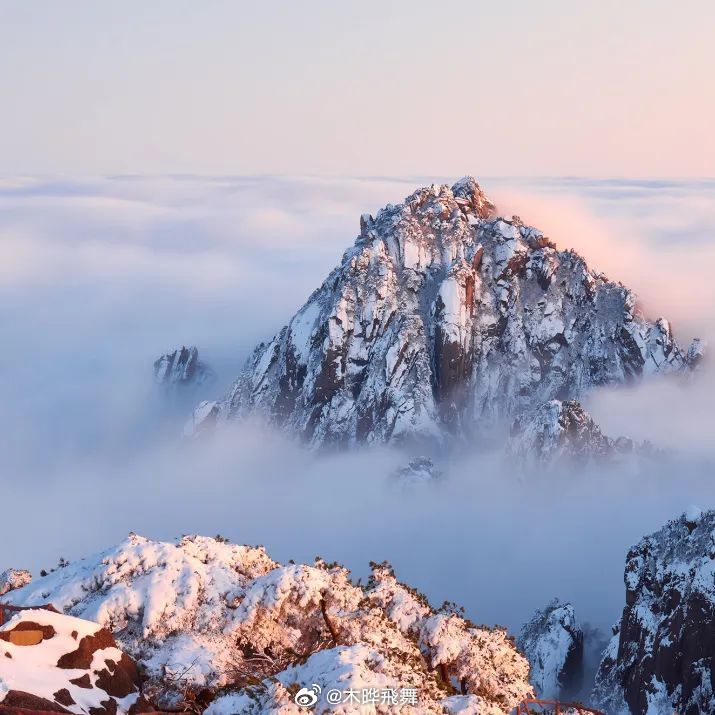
{"points": [[100, 276]]}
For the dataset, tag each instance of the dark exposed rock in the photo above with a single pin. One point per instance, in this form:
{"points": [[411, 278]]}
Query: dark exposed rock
{"points": [[28, 701], [63, 697], [107, 707], [660, 658], [141, 705], [119, 679], [82, 682], [82, 657]]}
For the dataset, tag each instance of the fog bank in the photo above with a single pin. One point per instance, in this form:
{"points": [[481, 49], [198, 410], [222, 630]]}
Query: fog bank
{"points": [[100, 276]]}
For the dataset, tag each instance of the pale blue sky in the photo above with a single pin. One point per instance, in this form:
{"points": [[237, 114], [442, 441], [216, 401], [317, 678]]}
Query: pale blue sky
{"points": [[514, 87]]}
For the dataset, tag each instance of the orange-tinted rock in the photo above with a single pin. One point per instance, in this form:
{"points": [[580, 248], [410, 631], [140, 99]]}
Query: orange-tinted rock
{"points": [[82, 657]]}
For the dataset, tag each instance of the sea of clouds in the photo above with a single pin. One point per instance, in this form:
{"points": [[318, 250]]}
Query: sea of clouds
{"points": [[99, 276]]}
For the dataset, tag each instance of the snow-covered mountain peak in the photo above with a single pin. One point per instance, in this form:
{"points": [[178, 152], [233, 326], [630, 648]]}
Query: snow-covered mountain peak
{"points": [[442, 320]]}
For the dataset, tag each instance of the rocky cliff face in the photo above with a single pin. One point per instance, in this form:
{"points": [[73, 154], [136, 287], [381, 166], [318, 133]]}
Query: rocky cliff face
{"points": [[661, 657], [208, 620], [444, 318], [553, 642], [181, 368]]}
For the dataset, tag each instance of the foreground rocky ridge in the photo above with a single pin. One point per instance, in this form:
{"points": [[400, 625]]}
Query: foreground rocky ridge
{"points": [[442, 319], [210, 621], [224, 628], [661, 657]]}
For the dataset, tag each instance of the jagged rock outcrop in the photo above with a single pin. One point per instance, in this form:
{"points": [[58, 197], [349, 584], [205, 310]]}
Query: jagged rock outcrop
{"points": [[182, 368], [206, 619], [417, 472], [203, 418], [553, 643], [50, 661], [562, 432], [661, 657], [11, 579], [696, 354], [444, 318]]}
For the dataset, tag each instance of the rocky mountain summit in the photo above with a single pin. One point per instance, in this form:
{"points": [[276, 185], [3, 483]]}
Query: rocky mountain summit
{"points": [[212, 622], [553, 643], [444, 319], [182, 368], [661, 658]]}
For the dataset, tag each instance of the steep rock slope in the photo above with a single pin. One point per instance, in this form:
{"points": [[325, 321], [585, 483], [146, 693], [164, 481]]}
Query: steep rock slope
{"points": [[553, 643], [443, 318], [207, 618], [661, 656], [182, 368], [76, 667]]}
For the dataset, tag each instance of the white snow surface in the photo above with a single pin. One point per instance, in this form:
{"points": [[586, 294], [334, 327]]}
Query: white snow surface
{"points": [[546, 640], [33, 669], [231, 619]]}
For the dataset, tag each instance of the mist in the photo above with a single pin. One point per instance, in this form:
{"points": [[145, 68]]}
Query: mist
{"points": [[98, 277]]}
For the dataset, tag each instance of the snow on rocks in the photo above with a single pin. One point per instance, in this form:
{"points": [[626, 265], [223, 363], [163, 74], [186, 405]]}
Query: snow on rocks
{"points": [[206, 619], [441, 319], [696, 353], [11, 579], [553, 642], [417, 472], [203, 418], [347, 669], [50, 661], [662, 655], [168, 603], [181, 368], [557, 432]]}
